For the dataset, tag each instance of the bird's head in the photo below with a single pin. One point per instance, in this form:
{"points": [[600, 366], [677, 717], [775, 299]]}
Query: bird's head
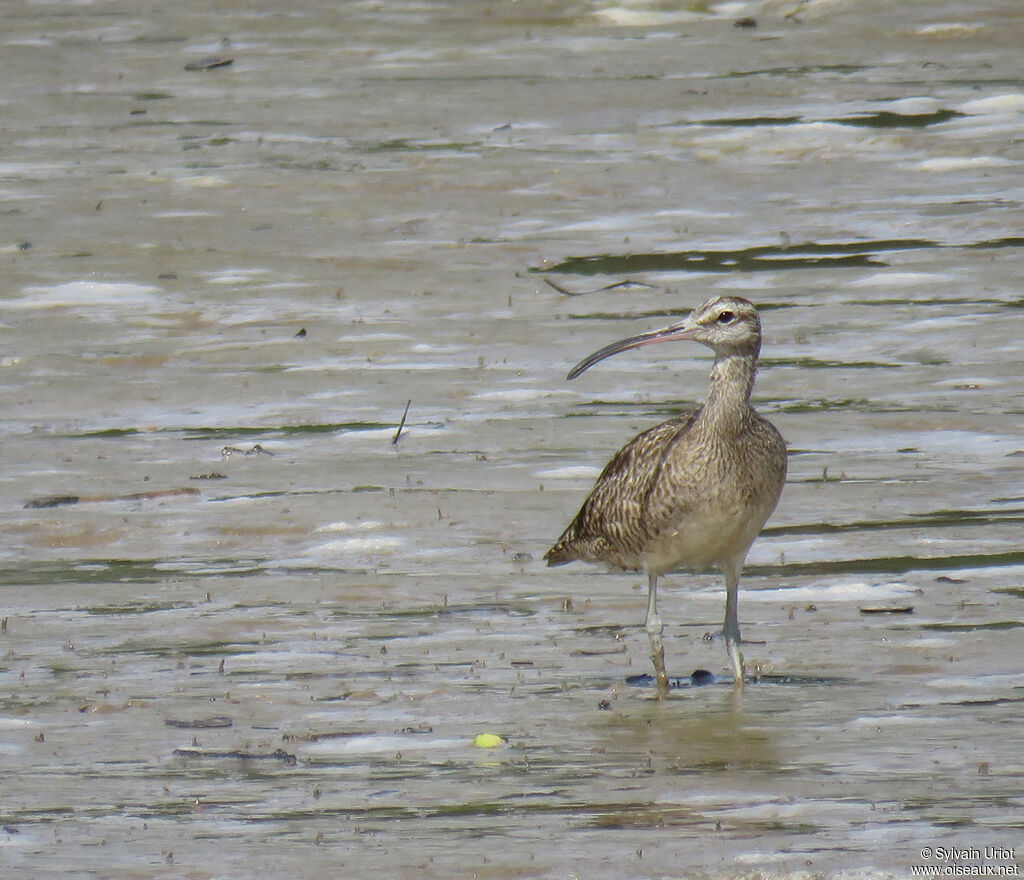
{"points": [[727, 324]]}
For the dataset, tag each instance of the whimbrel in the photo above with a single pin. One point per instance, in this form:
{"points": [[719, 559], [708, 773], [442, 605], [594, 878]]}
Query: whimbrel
{"points": [[694, 491]]}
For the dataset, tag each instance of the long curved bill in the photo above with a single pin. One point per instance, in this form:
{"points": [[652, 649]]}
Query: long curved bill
{"points": [[667, 334]]}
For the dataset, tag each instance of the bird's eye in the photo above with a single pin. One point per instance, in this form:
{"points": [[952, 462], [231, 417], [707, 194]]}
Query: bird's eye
{"points": [[726, 318]]}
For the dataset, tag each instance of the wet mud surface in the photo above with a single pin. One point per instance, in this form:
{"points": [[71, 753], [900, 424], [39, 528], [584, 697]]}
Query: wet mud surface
{"points": [[253, 627]]}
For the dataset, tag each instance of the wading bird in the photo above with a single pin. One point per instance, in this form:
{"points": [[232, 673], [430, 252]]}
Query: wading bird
{"points": [[694, 491]]}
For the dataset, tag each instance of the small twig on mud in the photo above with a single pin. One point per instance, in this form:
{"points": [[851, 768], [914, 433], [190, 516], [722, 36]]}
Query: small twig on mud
{"points": [[401, 424]]}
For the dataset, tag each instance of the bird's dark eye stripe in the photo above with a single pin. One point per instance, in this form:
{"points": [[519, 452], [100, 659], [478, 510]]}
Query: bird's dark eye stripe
{"points": [[726, 318]]}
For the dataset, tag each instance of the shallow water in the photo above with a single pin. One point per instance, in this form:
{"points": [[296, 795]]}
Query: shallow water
{"points": [[281, 672]]}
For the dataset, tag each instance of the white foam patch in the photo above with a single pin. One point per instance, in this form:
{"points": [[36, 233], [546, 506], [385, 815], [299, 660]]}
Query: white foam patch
{"points": [[360, 546], [677, 213], [513, 395], [373, 436], [202, 181], [237, 276], [996, 104], [949, 29], [570, 472], [17, 723], [617, 16], [961, 163], [893, 721], [899, 279], [376, 744], [912, 106], [426, 348], [369, 525], [858, 591], [84, 293], [373, 337], [930, 643]]}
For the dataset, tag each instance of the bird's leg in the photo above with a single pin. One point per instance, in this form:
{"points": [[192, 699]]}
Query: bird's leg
{"points": [[731, 631], [654, 628]]}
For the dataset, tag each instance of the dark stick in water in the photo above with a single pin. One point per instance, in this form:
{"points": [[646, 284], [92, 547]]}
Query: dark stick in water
{"points": [[401, 424]]}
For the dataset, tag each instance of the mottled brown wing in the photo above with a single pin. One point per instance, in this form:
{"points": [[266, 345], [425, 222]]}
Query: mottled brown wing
{"points": [[614, 524]]}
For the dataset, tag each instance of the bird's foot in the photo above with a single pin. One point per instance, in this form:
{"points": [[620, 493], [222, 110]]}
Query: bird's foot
{"points": [[698, 678]]}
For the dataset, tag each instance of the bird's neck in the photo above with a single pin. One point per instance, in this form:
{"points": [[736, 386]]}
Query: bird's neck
{"points": [[732, 380]]}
